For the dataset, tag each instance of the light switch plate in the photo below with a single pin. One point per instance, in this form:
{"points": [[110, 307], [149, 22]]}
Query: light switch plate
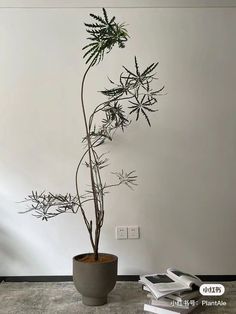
{"points": [[133, 232], [121, 233]]}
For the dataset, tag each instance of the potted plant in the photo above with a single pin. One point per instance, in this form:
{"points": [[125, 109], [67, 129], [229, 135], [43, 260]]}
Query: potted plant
{"points": [[94, 274]]}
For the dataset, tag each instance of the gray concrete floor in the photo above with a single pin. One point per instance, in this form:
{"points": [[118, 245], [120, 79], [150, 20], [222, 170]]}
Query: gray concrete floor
{"points": [[62, 297]]}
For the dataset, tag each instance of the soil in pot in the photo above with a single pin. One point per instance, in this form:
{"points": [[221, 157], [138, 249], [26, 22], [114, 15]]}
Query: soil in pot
{"points": [[102, 258]]}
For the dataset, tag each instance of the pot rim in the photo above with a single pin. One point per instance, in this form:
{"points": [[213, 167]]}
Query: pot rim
{"points": [[76, 257]]}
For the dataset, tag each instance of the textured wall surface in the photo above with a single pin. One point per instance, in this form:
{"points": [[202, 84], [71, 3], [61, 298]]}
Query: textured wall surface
{"points": [[185, 200]]}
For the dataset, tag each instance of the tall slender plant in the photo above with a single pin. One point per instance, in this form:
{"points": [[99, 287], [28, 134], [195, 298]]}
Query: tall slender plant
{"points": [[132, 95]]}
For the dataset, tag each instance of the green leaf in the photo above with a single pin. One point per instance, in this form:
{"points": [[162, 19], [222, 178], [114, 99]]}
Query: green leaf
{"points": [[105, 15], [89, 45], [149, 69], [94, 25], [90, 50], [95, 55], [146, 116], [136, 66], [98, 18], [129, 71]]}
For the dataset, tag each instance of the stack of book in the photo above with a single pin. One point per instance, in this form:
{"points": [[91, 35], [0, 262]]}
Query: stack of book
{"points": [[171, 292]]}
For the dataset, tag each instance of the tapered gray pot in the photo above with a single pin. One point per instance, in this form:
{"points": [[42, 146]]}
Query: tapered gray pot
{"points": [[94, 280]]}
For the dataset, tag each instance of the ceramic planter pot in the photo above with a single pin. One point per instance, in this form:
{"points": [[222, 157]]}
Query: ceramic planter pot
{"points": [[94, 280]]}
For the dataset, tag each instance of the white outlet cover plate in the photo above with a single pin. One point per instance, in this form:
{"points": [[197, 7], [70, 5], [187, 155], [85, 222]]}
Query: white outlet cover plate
{"points": [[133, 232], [121, 232]]}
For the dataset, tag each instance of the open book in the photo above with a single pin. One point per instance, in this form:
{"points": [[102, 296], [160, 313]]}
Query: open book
{"points": [[170, 282]]}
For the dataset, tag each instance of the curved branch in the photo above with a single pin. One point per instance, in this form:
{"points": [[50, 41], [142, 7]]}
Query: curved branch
{"points": [[77, 170]]}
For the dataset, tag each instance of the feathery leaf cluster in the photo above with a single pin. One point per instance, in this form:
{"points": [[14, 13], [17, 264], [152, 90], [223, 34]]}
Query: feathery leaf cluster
{"points": [[48, 205], [134, 87], [104, 34], [128, 179]]}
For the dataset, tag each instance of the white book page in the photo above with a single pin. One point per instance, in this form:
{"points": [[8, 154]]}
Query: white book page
{"points": [[172, 286], [159, 289], [151, 287], [186, 279]]}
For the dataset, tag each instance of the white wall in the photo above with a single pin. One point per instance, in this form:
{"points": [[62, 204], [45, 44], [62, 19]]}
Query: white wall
{"points": [[185, 201]]}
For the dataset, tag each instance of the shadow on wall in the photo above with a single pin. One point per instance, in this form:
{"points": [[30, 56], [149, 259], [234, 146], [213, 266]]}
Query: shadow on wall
{"points": [[14, 253], [9, 254]]}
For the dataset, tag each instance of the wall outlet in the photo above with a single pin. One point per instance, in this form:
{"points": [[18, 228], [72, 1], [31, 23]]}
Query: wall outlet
{"points": [[133, 232], [121, 233]]}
